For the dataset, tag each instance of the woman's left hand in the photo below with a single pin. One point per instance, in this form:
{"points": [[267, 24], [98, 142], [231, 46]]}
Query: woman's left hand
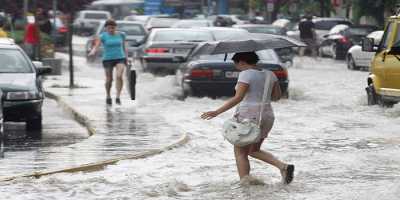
{"points": [[209, 115]]}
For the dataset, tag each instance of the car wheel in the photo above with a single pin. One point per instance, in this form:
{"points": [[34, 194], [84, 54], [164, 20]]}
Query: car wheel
{"points": [[351, 65], [371, 95]]}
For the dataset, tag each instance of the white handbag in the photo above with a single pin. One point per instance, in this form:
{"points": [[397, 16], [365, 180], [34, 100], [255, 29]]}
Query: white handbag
{"points": [[245, 132]]}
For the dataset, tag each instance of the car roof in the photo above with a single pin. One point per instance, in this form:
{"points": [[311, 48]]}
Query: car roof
{"points": [[255, 25], [330, 19], [8, 43]]}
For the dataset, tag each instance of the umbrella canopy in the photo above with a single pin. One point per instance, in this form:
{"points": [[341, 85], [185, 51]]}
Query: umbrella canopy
{"points": [[254, 42]]}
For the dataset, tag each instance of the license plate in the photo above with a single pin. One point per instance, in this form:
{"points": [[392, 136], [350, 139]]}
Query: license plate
{"points": [[231, 74], [181, 51]]}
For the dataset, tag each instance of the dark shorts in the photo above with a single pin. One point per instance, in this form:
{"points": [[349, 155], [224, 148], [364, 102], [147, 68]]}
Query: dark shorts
{"points": [[109, 64]]}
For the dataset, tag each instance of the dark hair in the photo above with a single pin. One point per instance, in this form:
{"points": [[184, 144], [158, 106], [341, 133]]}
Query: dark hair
{"points": [[110, 22], [248, 57]]}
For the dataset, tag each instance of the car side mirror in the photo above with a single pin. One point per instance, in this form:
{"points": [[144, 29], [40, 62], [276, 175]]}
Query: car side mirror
{"points": [[40, 69], [367, 45]]}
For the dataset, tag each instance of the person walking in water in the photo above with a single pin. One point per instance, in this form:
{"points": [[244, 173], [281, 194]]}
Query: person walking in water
{"points": [[308, 36], [114, 56], [248, 97]]}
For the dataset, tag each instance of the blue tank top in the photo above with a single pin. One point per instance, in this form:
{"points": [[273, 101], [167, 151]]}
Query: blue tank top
{"points": [[113, 45]]}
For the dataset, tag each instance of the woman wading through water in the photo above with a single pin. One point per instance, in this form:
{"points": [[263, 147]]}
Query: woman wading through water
{"points": [[248, 97], [114, 56]]}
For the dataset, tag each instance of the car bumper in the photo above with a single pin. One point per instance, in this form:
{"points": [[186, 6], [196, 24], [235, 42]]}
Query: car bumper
{"points": [[19, 111], [152, 63], [220, 87]]}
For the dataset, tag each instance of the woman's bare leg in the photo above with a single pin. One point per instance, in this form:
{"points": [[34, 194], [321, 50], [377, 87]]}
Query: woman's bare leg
{"points": [[109, 80], [265, 156], [119, 78], [242, 161]]}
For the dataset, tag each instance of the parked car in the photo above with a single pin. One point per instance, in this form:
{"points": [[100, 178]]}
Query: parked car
{"points": [[160, 22], [135, 34], [262, 28], [227, 33], [60, 32], [212, 76], [191, 23], [322, 27], [88, 20], [341, 37], [21, 83], [357, 58], [383, 82], [165, 48], [1, 116]]}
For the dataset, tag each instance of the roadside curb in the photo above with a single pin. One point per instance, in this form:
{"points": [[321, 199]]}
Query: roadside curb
{"points": [[96, 166], [80, 118]]}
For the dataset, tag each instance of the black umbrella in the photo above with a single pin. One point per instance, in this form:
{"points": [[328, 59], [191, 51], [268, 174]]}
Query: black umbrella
{"points": [[254, 42]]}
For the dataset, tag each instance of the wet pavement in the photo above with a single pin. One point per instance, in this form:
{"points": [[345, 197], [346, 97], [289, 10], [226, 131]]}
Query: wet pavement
{"points": [[120, 130], [59, 133]]}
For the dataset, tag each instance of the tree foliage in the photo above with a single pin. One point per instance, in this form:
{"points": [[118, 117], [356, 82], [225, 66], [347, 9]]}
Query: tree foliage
{"points": [[373, 8], [15, 7]]}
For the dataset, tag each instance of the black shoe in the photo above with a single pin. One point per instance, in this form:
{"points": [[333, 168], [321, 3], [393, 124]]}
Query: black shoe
{"points": [[288, 174], [108, 101], [118, 101]]}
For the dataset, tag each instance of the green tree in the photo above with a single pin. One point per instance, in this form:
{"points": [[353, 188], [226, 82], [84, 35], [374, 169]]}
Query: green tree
{"points": [[373, 8]]}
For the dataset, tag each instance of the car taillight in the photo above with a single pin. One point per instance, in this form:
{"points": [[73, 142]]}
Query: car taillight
{"points": [[201, 73], [344, 40], [63, 29], [281, 73], [156, 50]]}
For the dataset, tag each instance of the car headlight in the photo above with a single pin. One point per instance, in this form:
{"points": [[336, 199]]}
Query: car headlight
{"points": [[27, 95]]}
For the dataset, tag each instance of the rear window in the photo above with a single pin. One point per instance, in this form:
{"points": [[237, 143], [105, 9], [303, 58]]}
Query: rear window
{"points": [[182, 35], [13, 61], [328, 24], [96, 16], [265, 55], [360, 31], [268, 30], [129, 29]]}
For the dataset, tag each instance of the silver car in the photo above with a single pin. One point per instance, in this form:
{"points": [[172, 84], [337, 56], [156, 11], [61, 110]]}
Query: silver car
{"points": [[357, 59], [166, 48], [135, 34]]}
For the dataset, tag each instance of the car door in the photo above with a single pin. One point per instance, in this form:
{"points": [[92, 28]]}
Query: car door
{"points": [[392, 65], [381, 58]]}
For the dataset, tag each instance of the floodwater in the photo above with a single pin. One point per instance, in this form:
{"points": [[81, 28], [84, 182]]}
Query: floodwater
{"points": [[342, 148]]}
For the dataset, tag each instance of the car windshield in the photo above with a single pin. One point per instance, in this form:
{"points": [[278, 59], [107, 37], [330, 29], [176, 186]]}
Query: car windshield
{"points": [[328, 24], [95, 16], [182, 35], [13, 61], [360, 31], [191, 24], [265, 55], [230, 34], [129, 29], [161, 22], [264, 29]]}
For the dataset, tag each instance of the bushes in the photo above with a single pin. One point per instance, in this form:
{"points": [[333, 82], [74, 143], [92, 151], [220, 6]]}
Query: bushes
{"points": [[46, 42]]}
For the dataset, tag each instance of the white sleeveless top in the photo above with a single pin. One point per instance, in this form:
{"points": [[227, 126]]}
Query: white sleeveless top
{"points": [[256, 81]]}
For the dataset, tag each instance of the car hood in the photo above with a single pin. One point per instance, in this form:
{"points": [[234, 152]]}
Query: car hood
{"points": [[17, 82]]}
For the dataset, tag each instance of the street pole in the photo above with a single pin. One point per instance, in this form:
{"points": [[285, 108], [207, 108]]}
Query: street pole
{"points": [[208, 7], [54, 20], [70, 48], [26, 2]]}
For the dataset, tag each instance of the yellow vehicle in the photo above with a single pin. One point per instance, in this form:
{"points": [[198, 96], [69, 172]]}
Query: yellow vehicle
{"points": [[383, 83]]}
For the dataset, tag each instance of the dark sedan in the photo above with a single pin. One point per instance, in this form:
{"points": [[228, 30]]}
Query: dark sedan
{"points": [[341, 38], [21, 84], [210, 75]]}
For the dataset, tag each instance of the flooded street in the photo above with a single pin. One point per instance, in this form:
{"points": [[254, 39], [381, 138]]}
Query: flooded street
{"points": [[342, 148]]}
